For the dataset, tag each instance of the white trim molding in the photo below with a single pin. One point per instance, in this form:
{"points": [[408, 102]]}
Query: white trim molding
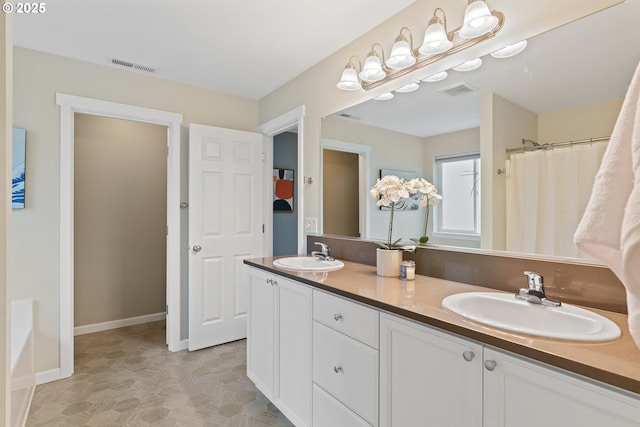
{"points": [[69, 105], [290, 120], [120, 323]]}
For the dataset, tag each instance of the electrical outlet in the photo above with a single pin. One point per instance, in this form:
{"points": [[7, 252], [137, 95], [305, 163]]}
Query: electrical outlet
{"points": [[311, 225]]}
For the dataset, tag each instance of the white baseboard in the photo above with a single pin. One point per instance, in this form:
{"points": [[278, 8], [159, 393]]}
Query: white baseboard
{"points": [[114, 324], [48, 376], [184, 344]]}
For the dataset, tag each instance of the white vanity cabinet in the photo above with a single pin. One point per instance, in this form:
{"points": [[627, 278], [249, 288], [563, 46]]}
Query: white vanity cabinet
{"points": [[520, 393], [327, 361], [428, 377], [279, 343], [345, 362]]}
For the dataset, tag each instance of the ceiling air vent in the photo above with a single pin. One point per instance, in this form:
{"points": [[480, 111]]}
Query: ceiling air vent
{"points": [[134, 66], [458, 89], [349, 116]]}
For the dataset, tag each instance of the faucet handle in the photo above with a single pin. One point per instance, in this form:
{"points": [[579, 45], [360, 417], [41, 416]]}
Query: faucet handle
{"points": [[535, 280], [324, 246]]}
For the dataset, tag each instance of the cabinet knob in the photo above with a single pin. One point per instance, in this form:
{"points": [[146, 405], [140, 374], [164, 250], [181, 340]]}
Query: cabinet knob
{"points": [[468, 355], [337, 369], [337, 317], [490, 365]]}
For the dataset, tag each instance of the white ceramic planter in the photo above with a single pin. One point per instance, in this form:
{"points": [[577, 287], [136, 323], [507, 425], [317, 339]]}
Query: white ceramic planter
{"points": [[388, 262]]}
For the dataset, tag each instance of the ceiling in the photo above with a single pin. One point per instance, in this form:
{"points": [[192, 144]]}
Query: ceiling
{"points": [[243, 47], [587, 61]]}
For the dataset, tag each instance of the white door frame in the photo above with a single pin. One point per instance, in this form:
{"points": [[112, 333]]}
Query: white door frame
{"points": [[69, 105], [283, 123]]}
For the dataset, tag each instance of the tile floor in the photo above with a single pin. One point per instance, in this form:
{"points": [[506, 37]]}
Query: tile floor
{"points": [[127, 377]]}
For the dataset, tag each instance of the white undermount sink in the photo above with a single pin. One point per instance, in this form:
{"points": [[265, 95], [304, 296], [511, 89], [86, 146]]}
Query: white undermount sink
{"points": [[506, 312], [307, 263]]}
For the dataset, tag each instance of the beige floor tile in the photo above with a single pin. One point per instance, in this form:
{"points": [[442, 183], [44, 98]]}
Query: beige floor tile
{"points": [[127, 377]]}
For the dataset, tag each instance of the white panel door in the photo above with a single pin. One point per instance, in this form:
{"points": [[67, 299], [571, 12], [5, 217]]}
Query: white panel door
{"points": [[226, 201]]}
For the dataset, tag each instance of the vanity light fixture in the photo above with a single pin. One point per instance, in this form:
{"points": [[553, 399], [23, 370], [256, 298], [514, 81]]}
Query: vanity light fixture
{"points": [[436, 38], [478, 20], [479, 24], [349, 79], [401, 55], [509, 51], [372, 69], [384, 97], [411, 87], [471, 65], [436, 77]]}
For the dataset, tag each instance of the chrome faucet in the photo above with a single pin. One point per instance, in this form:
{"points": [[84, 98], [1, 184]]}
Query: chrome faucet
{"points": [[535, 291], [322, 255]]}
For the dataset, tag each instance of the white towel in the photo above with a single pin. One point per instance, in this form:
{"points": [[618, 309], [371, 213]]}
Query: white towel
{"points": [[610, 228]]}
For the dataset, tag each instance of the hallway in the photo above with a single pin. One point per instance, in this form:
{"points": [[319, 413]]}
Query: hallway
{"points": [[127, 377]]}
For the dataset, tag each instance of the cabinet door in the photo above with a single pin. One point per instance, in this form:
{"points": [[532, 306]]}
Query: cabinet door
{"points": [[293, 356], [519, 393], [261, 332], [425, 377]]}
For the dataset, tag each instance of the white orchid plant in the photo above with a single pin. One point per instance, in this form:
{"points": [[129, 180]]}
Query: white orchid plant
{"points": [[390, 189], [430, 197]]}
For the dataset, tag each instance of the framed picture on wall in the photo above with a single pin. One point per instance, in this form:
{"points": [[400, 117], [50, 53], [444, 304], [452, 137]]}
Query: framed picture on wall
{"points": [[283, 190], [18, 161], [411, 204]]}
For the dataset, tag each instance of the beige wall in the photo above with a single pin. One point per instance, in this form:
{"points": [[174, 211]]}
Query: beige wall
{"points": [[38, 77], [316, 89], [120, 194], [503, 124], [588, 121], [6, 98]]}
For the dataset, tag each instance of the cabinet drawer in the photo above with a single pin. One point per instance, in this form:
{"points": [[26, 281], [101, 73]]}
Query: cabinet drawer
{"points": [[346, 369], [328, 412], [353, 319]]}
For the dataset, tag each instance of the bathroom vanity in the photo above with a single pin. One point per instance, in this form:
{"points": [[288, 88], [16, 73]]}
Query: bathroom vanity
{"points": [[349, 348]]}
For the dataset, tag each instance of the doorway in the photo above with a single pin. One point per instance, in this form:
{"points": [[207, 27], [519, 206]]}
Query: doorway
{"points": [[285, 221], [69, 106], [341, 198], [345, 181], [120, 193], [291, 121]]}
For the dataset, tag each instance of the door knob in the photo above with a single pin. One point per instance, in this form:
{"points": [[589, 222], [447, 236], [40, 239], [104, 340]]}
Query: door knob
{"points": [[196, 248]]}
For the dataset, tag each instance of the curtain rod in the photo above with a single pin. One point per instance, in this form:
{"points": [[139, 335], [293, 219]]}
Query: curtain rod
{"points": [[537, 146]]}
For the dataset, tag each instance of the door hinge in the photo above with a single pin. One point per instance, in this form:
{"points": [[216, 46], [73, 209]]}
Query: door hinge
{"points": [[262, 228], [167, 230], [263, 157], [167, 312]]}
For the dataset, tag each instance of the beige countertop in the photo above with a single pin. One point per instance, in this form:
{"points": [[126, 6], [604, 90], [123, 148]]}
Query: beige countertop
{"points": [[613, 362]]}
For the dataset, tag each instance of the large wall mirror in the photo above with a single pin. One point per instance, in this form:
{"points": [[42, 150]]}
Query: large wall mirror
{"points": [[567, 86]]}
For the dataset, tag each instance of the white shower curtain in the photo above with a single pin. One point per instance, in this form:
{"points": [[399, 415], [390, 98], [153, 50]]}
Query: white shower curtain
{"points": [[547, 193]]}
